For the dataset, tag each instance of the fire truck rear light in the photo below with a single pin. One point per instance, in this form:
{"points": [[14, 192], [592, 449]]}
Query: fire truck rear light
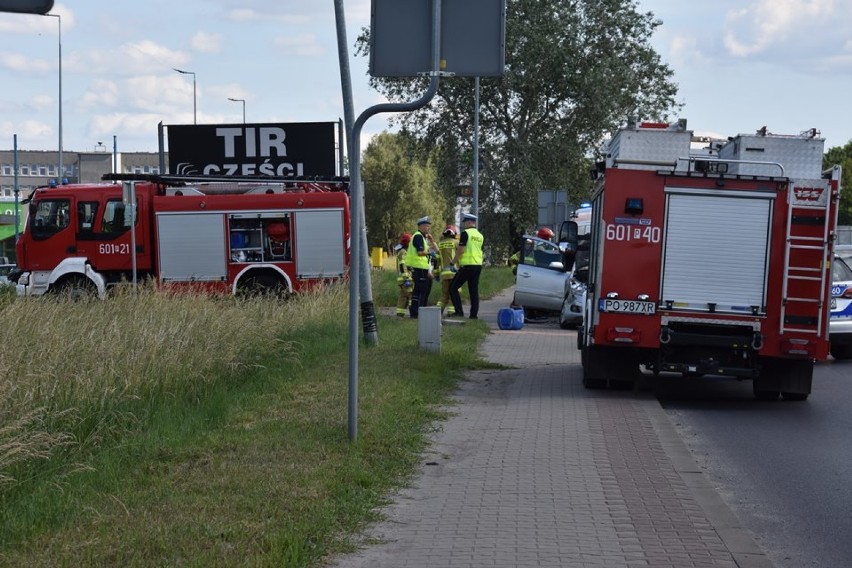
{"points": [[623, 335], [799, 347]]}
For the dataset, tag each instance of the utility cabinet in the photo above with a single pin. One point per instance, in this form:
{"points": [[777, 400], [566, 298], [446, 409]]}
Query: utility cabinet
{"points": [[801, 157]]}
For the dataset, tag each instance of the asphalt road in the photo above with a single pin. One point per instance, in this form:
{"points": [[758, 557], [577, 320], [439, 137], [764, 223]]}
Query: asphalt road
{"points": [[785, 468]]}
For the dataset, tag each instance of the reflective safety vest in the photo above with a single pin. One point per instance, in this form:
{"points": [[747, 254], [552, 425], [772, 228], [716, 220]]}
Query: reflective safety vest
{"points": [[414, 260], [472, 254]]}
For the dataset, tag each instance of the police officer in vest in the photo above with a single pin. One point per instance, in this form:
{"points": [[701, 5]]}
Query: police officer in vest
{"points": [[420, 249], [469, 260]]}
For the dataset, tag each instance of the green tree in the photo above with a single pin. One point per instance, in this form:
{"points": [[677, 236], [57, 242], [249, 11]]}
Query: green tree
{"points": [[574, 71], [399, 188], [842, 155]]}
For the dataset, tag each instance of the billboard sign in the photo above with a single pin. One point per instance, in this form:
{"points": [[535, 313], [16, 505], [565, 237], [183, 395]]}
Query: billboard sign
{"points": [[26, 6], [472, 38], [299, 149]]}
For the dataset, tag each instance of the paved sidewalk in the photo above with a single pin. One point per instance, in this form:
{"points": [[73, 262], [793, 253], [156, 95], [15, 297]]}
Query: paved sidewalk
{"points": [[534, 470]]}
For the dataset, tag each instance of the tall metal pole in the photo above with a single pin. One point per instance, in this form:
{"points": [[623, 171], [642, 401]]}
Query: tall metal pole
{"points": [[368, 308], [194, 97], [355, 189], [244, 106], [59, 22], [476, 148], [114, 154], [16, 188], [194, 102]]}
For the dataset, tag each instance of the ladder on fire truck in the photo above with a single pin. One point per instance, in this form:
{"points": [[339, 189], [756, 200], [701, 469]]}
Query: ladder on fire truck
{"points": [[801, 201], [313, 184]]}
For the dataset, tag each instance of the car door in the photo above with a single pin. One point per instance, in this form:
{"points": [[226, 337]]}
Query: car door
{"points": [[541, 278]]}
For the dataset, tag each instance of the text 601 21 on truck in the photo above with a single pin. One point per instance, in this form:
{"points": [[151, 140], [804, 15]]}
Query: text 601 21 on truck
{"points": [[221, 236], [714, 261]]}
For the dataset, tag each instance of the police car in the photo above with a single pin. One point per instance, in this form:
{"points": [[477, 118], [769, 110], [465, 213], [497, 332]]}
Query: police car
{"points": [[840, 321]]}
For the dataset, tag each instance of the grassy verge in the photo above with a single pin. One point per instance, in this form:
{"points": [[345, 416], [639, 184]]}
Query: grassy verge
{"points": [[158, 430]]}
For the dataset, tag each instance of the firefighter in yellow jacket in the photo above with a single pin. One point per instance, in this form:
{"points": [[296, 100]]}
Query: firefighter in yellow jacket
{"points": [[446, 252], [403, 276]]}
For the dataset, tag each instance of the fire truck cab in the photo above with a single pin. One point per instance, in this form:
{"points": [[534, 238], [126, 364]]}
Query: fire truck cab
{"points": [[710, 262], [216, 236]]}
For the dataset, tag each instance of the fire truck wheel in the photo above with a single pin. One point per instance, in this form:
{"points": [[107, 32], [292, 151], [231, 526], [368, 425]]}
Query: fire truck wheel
{"points": [[594, 372], [75, 288], [263, 283], [765, 395]]}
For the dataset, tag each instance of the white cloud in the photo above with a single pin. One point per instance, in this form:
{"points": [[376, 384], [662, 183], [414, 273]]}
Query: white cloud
{"points": [[31, 129], [684, 49], [20, 62], [242, 15], [100, 93], [206, 43], [770, 24], [305, 45], [42, 102], [129, 58]]}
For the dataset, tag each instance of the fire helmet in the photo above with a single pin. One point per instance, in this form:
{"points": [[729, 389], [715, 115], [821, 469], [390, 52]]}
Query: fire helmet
{"points": [[404, 239], [450, 231], [545, 233]]}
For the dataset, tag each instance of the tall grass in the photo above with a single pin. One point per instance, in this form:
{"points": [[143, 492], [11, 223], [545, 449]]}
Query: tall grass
{"points": [[163, 430], [79, 373]]}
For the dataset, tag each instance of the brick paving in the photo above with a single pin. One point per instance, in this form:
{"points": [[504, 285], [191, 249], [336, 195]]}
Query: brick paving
{"points": [[533, 470]]}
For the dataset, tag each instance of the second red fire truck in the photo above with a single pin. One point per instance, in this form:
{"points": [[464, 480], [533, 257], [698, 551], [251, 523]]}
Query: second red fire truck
{"points": [[221, 236], [710, 262]]}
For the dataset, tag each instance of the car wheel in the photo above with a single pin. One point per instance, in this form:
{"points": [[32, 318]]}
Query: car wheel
{"points": [[841, 351], [563, 322]]}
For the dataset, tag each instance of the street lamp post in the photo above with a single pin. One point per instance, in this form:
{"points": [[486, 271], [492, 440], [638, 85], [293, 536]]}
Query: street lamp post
{"points": [[244, 106], [59, 22], [194, 98]]}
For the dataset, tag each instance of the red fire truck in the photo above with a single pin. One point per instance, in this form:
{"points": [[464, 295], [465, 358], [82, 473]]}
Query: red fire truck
{"points": [[710, 262], [216, 235]]}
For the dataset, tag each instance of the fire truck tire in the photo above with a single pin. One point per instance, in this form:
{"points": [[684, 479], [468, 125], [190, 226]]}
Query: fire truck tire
{"points": [[789, 378], [594, 373], [264, 283], [75, 288], [765, 395]]}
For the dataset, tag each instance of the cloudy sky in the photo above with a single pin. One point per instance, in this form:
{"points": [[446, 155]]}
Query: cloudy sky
{"points": [[740, 65]]}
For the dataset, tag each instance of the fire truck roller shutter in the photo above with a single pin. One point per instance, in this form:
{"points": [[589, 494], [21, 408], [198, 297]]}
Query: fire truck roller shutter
{"points": [[715, 249], [319, 243], [191, 247]]}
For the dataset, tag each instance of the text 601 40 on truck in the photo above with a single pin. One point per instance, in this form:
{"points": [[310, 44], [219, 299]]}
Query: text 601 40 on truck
{"points": [[226, 236], [714, 261]]}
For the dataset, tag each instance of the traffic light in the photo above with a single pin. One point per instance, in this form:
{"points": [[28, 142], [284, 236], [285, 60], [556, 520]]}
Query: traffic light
{"points": [[26, 6]]}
